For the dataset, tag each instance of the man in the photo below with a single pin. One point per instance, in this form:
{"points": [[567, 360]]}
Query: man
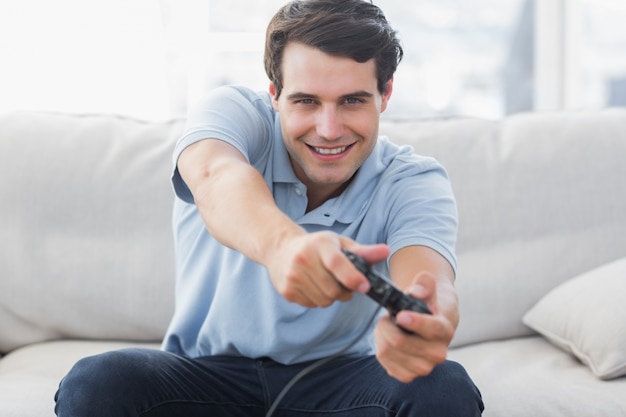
{"points": [[270, 190]]}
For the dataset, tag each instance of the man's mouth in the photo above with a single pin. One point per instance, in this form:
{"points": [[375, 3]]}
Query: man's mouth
{"points": [[330, 151]]}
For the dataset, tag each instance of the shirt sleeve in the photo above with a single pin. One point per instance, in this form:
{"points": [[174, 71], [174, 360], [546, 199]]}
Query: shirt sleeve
{"points": [[236, 115], [422, 209]]}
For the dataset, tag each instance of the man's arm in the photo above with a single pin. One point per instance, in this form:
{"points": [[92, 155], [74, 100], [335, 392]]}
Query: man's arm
{"points": [[239, 211], [233, 199], [425, 274]]}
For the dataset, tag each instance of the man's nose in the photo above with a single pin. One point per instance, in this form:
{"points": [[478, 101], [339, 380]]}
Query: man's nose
{"points": [[329, 124]]}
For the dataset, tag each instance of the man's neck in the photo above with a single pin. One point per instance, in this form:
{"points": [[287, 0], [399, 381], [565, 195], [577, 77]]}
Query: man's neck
{"points": [[317, 196]]}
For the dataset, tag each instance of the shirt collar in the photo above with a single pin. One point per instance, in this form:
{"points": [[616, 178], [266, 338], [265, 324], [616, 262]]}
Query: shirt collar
{"points": [[282, 169]]}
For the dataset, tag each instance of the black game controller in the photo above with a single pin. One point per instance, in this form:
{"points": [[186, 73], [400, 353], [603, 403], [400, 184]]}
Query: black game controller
{"points": [[384, 292]]}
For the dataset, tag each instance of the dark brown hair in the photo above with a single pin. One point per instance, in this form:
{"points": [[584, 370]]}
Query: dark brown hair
{"points": [[356, 29]]}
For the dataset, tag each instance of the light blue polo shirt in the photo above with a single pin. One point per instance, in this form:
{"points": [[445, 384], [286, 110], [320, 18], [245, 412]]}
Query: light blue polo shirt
{"points": [[227, 305]]}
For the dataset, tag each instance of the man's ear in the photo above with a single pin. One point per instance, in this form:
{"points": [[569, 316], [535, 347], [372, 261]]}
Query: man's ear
{"points": [[272, 90], [386, 95]]}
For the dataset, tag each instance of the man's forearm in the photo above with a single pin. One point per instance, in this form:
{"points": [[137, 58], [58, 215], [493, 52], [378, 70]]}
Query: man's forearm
{"points": [[408, 262], [239, 211], [234, 201]]}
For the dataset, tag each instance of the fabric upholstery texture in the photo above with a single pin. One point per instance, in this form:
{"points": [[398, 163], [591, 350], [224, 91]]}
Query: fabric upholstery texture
{"points": [[529, 377], [541, 199], [586, 316], [86, 249]]}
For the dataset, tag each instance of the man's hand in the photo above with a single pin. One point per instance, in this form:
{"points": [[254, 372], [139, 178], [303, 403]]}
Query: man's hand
{"points": [[408, 356], [311, 269]]}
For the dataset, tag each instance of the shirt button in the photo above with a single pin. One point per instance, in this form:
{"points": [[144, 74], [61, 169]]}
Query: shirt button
{"points": [[298, 191]]}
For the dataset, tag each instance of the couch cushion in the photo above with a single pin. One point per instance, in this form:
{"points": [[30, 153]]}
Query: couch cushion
{"points": [[531, 377], [541, 199], [585, 316], [85, 211], [30, 376]]}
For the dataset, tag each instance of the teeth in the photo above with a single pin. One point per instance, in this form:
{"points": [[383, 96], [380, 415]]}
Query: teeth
{"points": [[330, 151]]}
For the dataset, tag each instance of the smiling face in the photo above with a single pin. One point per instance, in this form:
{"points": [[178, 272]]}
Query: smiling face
{"points": [[329, 110]]}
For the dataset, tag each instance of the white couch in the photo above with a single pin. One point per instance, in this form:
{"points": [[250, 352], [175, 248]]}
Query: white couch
{"points": [[86, 255]]}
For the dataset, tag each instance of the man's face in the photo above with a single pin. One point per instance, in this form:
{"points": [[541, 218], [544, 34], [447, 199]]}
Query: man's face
{"points": [[329, 110]]}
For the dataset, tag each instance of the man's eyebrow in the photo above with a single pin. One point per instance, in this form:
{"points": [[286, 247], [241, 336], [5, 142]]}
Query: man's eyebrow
{"points": [[358, 94], [300, 96]]}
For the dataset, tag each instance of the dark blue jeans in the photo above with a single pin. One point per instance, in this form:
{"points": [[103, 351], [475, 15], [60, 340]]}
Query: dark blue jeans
{"points": [[151, 383]]}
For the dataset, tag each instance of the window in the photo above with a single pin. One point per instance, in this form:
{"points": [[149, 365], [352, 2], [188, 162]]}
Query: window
{"points": [[456, 51], [83, 56], [579, 53], [603, 54], [152, 59]]}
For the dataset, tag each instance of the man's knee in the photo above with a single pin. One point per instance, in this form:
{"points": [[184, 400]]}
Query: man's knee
{"points": [[447, 391], [101, 382]]}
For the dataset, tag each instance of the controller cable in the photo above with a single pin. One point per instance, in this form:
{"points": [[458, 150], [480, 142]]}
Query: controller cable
{"points": [[319, 363]]}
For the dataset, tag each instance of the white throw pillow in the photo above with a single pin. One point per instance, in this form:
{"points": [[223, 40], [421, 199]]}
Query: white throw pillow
{"points": [[586, 316]]}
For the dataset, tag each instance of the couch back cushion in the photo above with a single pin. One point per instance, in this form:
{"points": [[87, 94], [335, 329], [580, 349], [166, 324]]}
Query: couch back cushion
{"points": [[85, 213], [541, 197]]}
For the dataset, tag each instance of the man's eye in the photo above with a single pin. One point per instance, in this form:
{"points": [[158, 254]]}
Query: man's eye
{"points": [[305, 101], [353, 100]]}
